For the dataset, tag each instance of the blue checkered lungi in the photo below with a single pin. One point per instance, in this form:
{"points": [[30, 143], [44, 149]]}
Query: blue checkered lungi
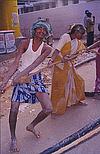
{"points": [[26, 92]]}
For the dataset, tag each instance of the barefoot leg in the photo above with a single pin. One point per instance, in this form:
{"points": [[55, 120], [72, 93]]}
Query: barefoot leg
{"points": [[31, 129], [12, 124], [46, 110], [13, 146]]}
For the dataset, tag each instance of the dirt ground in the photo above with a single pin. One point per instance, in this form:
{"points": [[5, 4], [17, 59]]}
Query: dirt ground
{"points": [[53, 129]]}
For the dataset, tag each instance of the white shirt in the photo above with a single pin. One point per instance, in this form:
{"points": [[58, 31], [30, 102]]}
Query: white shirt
{"points": [[29, 56]]}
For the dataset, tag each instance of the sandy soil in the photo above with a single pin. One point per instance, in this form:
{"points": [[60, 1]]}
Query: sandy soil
{"points": [[53, 129]]}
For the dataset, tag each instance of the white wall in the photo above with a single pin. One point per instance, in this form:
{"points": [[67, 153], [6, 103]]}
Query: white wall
{"points": [[61, 17]]}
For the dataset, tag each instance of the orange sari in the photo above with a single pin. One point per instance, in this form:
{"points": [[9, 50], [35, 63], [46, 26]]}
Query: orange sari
{"points": [[67, 85]]}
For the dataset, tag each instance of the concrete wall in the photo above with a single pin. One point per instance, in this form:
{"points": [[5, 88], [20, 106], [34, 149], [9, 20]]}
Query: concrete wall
{"points": [[61, 17]]}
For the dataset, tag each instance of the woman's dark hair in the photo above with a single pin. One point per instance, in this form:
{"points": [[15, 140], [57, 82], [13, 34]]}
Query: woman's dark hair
{"points": [[77, 28]]}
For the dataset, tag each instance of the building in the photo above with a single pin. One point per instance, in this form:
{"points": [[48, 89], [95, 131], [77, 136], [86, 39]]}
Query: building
{"points": [[61, 17], [25, 6]]}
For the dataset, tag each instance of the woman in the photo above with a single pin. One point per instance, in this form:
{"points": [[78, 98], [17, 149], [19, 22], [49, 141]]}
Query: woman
{"points": [[67, 85], [31, 53]]}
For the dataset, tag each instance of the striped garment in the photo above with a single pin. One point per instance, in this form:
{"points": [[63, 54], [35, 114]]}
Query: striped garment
{"points": [[26, 92]]}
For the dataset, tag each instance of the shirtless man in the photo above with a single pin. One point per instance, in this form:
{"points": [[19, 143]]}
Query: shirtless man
{"points": [[31, 53]]}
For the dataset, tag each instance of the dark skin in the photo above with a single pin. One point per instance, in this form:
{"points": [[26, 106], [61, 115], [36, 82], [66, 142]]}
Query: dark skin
{"points": [[44, 53], [43, 97], [22, 48]]}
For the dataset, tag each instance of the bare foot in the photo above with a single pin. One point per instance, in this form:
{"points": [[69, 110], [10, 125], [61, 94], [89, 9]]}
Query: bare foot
{"points": [[31, 129], [13, 146], [53, 116], [83, 103]]}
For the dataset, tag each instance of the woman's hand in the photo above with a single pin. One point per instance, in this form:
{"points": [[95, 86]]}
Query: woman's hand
{"points": [[66, 58], [50, 62]]}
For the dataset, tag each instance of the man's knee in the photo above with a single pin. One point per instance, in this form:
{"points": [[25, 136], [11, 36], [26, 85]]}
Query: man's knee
{"points": [[14, 108], [47, 111]]}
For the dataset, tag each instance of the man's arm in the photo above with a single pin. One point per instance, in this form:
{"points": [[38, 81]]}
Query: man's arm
{"points": [[13, 67], [93, 19], [45, 52], [89, 21], [55, 54]]}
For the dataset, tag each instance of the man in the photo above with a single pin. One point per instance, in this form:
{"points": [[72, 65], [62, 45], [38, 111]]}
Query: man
{"points": [[85, 18], [89, 25], [49, 39], [31, 53]]}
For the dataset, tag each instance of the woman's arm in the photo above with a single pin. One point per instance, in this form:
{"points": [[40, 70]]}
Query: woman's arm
{"points": [[64, 39]]}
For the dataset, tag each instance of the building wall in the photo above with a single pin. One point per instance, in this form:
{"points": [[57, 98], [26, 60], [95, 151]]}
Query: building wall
{"points": [[61, 17]]}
